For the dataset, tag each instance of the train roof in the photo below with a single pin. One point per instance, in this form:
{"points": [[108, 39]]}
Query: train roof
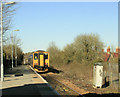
{"points": [[40, 51]]}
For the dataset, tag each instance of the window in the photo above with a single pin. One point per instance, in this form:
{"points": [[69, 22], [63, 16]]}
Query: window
{"points": [[35, 56], [46, 56]]}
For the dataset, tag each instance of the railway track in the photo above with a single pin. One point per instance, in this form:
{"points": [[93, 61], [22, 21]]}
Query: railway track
{"points": [[60, 87]]}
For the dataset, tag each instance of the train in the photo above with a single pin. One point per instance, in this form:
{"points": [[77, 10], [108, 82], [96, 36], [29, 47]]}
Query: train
{"points": [[39, 60]]}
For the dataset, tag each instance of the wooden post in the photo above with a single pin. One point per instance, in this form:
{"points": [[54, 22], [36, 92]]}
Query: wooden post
{"points": [[109, 73], [111, 77], [118, 75]]}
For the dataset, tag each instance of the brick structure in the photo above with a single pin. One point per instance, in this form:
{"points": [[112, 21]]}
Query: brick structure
{"points": [[117, 49], [108, 54], [102, 50], [108, 50]]}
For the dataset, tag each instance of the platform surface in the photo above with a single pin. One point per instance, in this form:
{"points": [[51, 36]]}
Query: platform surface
{"points": [[22, 80]]}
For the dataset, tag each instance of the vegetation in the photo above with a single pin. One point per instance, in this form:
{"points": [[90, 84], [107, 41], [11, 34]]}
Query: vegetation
{"points": [[8, 54], [26, 56], [86, 49], [8, 12], [17, 51], [77, 59], [55, 54]]}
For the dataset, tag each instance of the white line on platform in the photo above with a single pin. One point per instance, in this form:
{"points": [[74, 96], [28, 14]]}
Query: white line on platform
{"points": [[38, 75], [45, 81]]}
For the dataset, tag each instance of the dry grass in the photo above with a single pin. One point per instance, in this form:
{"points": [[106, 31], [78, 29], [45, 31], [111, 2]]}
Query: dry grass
{"points": [[82, 75], [77, 71]]}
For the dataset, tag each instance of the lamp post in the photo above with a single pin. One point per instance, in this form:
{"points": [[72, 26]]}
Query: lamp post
{"points": [[12, 46], [2, 38], [15, 54], [16, 49], [1, 45]]}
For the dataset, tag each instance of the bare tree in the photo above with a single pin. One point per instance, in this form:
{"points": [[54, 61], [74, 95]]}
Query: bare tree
{"points": [[55, 54], [13, 51], [88, 48], [69, 53], [8, 11]]}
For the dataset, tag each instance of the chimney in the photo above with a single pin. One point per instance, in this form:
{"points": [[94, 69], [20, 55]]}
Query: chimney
{"points": [[108, 50], [117, 49], [102, 50]]}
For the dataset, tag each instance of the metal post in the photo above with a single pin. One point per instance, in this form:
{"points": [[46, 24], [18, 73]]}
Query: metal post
{"points": [[15, 53], [118, 47], [12, 47], [15, 48], [1, 45], [2, 68], [118, 72]]}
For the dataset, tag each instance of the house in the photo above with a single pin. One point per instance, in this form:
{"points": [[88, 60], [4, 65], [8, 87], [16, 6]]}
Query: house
{"points": [[109, 55]]}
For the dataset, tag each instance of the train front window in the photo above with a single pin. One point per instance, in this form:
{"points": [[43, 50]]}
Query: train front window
{"points": [[35, 56], [46, 56]]}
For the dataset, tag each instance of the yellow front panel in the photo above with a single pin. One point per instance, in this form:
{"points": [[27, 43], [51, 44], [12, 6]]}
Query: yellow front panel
{"points": [[46, 61], [35, 62], [41, 60]]}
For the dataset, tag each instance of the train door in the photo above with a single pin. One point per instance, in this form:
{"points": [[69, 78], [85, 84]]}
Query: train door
{"points": [[41, 59], [35, 59], [46, 59]]}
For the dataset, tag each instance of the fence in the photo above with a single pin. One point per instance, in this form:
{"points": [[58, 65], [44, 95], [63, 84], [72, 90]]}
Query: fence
{"points": [[111, 76]]}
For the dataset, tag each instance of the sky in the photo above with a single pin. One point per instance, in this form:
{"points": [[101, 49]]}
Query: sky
{"points": [[41, 23]]}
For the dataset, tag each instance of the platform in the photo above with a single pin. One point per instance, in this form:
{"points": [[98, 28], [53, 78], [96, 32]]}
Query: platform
{"points": [[22, 80]]}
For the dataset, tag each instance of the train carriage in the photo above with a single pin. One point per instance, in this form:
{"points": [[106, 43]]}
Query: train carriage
{"points": [[39, 60]]}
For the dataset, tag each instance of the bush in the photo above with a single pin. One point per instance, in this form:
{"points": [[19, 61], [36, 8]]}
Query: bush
{"points": [[68, 54], [88, 48], [55, 55], [8, 56], [76, 60]]}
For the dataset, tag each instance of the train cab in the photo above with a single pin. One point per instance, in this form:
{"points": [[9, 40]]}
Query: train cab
{"points": [[40, 61]]}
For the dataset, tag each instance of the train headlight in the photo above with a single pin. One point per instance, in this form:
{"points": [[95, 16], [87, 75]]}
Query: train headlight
{"points": [[35, 63]]}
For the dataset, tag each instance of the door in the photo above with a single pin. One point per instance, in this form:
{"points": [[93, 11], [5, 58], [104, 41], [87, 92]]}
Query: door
{"points": [[41, 60], [35, 59]]}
